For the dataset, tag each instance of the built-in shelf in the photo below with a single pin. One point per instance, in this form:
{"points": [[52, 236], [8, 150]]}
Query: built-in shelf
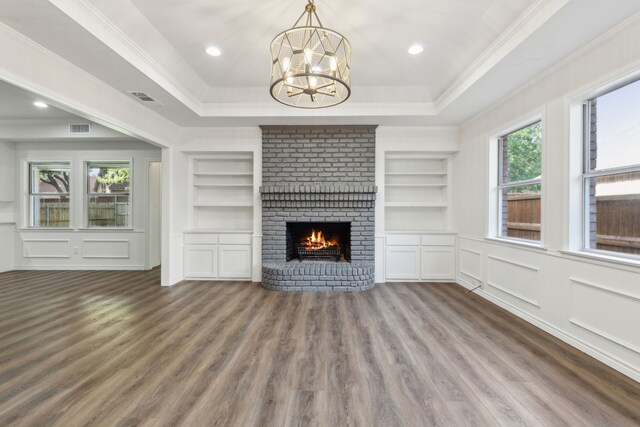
{"points": [[221, 174], [416, 205], [415, 185], [224, 185], [228, 204], [416, 173], [205, 231], [222, 191], [416, 191]]}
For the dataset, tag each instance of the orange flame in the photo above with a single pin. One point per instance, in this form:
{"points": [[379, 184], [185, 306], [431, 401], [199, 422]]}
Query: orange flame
{"points": [[317, 241]]}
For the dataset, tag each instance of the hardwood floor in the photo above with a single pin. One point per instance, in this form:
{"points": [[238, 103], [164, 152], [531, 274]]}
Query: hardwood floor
{"points": [[114, 348]]}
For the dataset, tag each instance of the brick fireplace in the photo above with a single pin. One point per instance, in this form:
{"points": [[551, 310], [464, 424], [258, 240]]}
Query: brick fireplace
{"points": [[318, 180]]}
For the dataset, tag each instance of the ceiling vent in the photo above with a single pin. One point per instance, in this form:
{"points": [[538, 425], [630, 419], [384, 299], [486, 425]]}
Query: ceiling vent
{"points": [[80, 128], [143, 97]]}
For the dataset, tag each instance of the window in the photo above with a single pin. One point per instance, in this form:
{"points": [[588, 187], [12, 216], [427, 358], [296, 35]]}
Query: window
{"points": [[520, 183], [49, 194], [611, 175], [108, 194]]}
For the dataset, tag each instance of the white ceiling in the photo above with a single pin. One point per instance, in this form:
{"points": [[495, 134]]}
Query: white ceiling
{"points": [[453, 33], [21, 121], [476, 52], [17, 105]]}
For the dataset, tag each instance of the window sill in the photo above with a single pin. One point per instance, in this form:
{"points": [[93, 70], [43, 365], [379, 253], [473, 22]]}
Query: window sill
{"points": [[519, 243], [603, 259]]}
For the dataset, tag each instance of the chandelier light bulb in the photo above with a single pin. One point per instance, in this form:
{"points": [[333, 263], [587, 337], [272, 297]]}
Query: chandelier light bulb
{"points": [[286, 63], [313, 82], [333, 64]]}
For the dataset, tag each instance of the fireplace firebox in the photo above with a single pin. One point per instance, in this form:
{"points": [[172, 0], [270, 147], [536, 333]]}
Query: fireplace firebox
{"points": [[319, 241]]}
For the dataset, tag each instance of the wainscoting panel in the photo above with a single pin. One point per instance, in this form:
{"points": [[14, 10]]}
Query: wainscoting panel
{"points": [[106, 248], [471, 263], [45, 248], [609, 313], [518, 280]]}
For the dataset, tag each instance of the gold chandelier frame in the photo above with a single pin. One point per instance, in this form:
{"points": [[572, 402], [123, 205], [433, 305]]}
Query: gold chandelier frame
{"points": [[310, 65]]}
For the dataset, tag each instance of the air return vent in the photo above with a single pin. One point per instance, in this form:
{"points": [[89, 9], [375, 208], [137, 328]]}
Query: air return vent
{"points": [[80, 128], [143, 96]]}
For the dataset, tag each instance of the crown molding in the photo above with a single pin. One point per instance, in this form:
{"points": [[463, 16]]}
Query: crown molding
{"points": [[96, 23], [70, 88], [522, 28]]}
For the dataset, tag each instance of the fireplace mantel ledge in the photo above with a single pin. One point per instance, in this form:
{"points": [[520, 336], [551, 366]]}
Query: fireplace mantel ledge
{"points": [[319, 189]]}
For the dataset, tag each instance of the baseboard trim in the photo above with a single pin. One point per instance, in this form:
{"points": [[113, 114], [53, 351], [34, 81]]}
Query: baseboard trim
{"points": [[80, 267], [172, 281], [575, 342]]}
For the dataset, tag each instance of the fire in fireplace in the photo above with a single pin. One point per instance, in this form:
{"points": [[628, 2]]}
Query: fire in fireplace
{"points": [[324, 241]]}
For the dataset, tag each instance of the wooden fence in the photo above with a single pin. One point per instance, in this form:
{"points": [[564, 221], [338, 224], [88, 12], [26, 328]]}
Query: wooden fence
{"points": [[618, 226], [101, 215]]}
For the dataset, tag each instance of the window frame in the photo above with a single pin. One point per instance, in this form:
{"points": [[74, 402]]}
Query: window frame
{"points": [[88, 195], [587, 174], [31, 194], [501, 185]]}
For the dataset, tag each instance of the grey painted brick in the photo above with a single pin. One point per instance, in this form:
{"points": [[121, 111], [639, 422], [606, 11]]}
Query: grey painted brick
{"points": [[318, 174]]}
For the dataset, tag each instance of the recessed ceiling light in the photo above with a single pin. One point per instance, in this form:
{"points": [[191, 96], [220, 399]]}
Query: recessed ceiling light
{"points": [[415, 49], [40, 104], [213, 51]]}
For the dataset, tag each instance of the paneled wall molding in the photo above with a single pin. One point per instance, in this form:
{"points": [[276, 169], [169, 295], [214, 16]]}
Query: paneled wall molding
{"points": [[583, 257], [43, 248], [41, 267], [596, 315], [592, 328], [121, 248], [535, 302], [592, 350], [466, 272]]}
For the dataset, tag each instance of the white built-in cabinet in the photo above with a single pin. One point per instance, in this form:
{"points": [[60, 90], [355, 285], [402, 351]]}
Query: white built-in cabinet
{"points": [[218, 244], [418, 243]]}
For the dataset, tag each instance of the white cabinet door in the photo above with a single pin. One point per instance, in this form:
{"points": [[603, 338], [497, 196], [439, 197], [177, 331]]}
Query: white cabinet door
{"points": [[235, 261], [403, 263], [201, 261], [438, 263]]}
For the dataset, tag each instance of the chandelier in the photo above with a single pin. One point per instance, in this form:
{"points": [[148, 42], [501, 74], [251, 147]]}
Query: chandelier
{"points": [[310, 64]]}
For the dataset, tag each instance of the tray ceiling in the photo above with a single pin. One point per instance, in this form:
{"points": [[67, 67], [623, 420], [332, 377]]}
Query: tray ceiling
{"points": [[475, 52]]}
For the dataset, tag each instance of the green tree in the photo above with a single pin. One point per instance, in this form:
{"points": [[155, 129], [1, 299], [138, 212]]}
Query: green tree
{"points": [[108, 177], [57, 179], [525, 156]]}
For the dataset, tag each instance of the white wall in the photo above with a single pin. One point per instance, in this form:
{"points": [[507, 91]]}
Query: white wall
{"points": [[78, 247], [7, 207], [592, 304]]}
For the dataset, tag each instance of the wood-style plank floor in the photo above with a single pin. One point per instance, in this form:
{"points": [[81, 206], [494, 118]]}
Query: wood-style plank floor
{"points": [[114, 348]]}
